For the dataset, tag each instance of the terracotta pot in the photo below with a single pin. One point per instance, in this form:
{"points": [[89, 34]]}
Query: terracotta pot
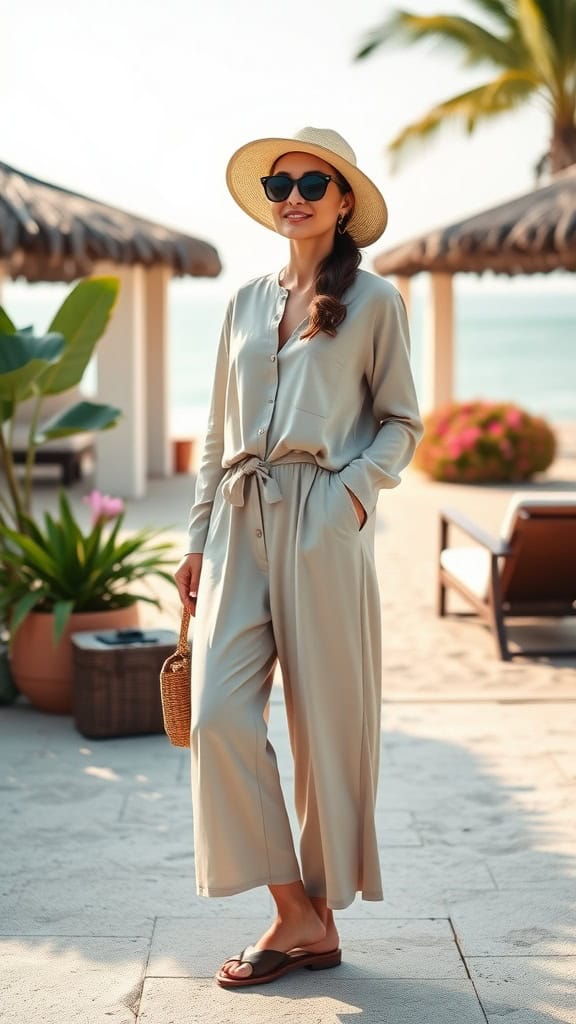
{"points": [[42, 669], [183, 450]]}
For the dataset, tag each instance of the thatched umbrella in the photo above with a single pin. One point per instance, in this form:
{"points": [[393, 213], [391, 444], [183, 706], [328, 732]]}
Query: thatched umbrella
{"points": [[48, 233], [533, 233]]}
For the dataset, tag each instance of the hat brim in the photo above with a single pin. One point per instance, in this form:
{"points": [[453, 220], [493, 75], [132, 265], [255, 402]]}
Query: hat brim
{"points": [[251, 161]]}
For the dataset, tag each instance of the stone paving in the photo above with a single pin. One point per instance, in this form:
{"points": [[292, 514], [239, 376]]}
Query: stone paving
{"points": [[99, 919]]}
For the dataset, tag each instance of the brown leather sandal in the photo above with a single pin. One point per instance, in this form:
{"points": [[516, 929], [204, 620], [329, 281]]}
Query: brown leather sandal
{"points": [[269, 964]]}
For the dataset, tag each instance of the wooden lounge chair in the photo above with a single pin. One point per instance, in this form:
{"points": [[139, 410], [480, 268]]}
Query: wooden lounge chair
{"points": [[67, 452], [528, 570]]}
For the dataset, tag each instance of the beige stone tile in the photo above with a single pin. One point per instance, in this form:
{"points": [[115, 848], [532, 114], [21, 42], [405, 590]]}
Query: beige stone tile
{"points": [[536, 868], [71, 979], [310, 998], [395, 948], [518, 922], [526, 990], [110, 900]]}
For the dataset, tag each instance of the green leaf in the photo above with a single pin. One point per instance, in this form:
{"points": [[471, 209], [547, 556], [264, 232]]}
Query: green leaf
{"points": [[6, 325], [31, 529], [93, 544], [84, 416], [6, 410], [23, 606], [69, 524], [38, 558], [82, 319], [62, 612], [24, 358]]}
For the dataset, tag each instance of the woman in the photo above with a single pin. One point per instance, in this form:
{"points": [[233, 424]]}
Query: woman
{"points": [[313, 411]]}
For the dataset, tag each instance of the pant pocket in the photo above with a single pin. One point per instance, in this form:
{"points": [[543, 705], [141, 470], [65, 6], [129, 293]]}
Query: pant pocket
{"points": [[350, 515]]}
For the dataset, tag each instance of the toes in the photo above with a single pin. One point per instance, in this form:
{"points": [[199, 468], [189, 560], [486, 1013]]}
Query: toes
{"points": [[243, 970]]}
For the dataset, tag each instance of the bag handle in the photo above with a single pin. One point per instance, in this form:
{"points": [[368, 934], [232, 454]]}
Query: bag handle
{"points": [[183, 638]]}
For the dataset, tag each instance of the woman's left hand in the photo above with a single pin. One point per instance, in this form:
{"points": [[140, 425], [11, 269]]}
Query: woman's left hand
{"points": [[360, 510]]}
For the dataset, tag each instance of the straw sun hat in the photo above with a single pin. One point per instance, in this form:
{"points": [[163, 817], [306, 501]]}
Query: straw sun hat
{"points": [[256, 158]]}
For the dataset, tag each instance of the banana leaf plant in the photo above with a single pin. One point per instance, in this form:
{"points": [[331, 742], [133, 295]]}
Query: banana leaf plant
{"points": [[34, 366]]}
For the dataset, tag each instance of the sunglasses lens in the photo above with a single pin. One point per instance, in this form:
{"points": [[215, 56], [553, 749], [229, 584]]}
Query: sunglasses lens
{"points": [[312, 186], [278, 188]]}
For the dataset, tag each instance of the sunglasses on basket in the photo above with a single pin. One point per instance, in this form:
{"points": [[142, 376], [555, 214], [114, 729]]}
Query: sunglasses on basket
{"points": [[311, 186]]}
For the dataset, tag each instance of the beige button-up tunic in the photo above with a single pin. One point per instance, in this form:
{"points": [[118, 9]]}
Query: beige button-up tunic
{"points": [[350, 400]]}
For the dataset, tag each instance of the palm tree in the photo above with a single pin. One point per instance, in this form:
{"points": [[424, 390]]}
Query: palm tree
{"points": [[532, 50]]}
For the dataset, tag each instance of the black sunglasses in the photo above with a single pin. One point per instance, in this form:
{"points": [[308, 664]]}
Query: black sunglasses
{"points": [[311, 186]]}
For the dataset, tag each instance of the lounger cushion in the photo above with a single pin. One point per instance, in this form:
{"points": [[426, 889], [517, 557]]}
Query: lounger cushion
{"points": [[471, 566], [73, 443], [529, 499]]}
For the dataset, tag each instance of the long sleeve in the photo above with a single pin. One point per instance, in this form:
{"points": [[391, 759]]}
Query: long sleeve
{"points": [[210, 470], [395, 406]]}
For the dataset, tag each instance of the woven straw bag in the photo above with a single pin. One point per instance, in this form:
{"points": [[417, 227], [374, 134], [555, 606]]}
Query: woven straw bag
{"points": [[175, 689]]}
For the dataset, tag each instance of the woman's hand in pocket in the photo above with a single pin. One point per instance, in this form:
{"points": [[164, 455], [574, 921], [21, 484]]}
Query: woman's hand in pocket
{"points": [[360, 510], [187, 578]]}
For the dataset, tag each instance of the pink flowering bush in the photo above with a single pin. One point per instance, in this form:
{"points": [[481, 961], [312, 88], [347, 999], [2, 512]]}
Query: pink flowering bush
{"points": [[484, 442]]}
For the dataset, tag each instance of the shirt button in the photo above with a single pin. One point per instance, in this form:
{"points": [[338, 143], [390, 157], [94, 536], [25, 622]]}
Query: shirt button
{"points": [[258, 533], [272, 358], [261, 430]]}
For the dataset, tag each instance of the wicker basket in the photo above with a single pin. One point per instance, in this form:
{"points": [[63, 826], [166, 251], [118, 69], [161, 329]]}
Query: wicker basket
{"points": [[115, 688], [175, 689]]}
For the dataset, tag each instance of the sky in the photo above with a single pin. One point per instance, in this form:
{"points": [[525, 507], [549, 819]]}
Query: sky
{"points": [[140, 104]]}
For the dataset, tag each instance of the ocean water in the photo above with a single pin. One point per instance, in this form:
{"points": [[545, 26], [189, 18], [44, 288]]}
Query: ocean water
{"points": [[509, 346]]}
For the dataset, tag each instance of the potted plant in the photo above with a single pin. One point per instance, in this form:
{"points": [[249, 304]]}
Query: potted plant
{"points": [[57, 578], [33, 369], [54, 577]]}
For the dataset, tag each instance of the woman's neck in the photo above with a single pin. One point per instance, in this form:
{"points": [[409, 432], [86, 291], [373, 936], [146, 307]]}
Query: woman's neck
{"points": [[299, 274]]}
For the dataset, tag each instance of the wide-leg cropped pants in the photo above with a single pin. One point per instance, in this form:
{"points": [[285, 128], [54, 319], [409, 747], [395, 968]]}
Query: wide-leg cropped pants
{"points": [[289, 575]]}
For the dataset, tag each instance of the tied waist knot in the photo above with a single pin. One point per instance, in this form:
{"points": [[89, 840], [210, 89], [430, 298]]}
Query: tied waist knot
{"points": [[233, 486]]}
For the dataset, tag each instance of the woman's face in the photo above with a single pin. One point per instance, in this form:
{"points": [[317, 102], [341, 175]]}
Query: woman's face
{"points": [[298, 218]]}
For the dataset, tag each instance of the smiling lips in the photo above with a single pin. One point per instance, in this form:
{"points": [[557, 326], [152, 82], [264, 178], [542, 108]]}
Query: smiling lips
{"points": [[294, 217]]}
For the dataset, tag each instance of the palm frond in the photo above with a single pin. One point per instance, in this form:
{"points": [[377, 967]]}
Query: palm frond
{"points": [[536, 35], [503, 11], [473, 42], [504, 93], [560, 18]]}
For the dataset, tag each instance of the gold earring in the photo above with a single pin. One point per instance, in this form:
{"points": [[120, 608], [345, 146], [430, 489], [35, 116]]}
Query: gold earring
{"points": [[341, 226]]}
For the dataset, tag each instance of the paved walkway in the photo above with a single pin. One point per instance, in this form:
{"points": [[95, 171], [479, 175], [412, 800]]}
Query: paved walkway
{"points": [[476, 813]]}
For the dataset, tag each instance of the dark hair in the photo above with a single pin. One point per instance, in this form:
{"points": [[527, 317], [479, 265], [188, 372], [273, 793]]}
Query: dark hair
{"points": [[335, 274]]}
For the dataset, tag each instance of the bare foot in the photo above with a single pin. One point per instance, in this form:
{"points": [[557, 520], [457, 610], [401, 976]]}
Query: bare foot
{"points": [[302, 927], [330, 941]]}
